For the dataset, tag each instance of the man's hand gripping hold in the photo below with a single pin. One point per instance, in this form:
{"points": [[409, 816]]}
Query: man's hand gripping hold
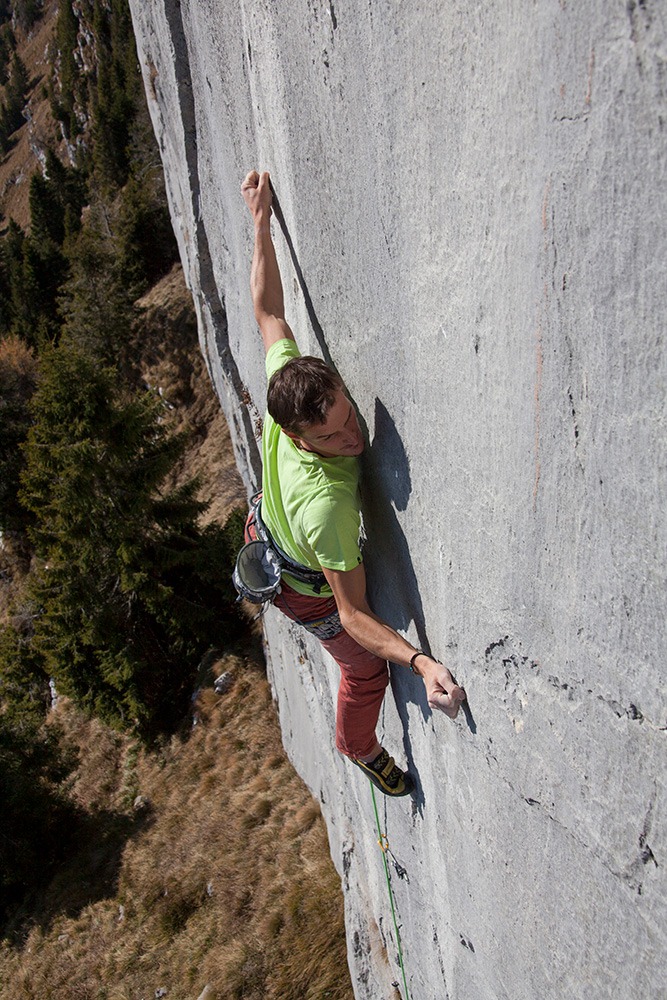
{"points": [[372, 633]]}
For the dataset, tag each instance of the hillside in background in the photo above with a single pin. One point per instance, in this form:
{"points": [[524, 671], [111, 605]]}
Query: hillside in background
{"points": [[196, 859], [204, 862], [40, 132]]}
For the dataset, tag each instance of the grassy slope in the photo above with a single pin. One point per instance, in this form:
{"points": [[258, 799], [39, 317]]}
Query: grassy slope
{"points": [[224, 879]]}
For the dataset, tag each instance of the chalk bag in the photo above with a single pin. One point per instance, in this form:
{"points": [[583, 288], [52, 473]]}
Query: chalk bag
{"points": [[257, 573]]}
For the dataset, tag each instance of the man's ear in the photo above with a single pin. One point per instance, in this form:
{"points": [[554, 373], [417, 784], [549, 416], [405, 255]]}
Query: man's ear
{"points": [[291, 434]]}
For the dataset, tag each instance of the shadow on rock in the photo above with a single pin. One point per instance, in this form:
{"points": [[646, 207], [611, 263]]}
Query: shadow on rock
{"points": [[86, 871], [386, 487], [393, 590]]}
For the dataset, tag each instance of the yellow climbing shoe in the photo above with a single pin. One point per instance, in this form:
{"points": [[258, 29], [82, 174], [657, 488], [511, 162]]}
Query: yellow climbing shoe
{"points": [[385, 775]]}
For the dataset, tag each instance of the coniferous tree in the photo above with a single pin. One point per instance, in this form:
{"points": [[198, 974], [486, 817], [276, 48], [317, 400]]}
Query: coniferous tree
{"points": [[56, 199], [11, 113], [146, 243], [134, 591], [67, 30], [7, 46], [18, 378], [45, 268], [12, 285], [117, 92], [98, 300], [26, 12], [52, 193]]}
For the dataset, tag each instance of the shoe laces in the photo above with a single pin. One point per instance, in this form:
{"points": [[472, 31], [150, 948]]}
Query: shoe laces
{"points": [[386, 766]]}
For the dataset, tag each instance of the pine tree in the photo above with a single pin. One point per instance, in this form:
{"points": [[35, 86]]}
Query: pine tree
{"points": [[52, 193], [26, 12], [45, 268], [14, 303], [98, 300], [132, 591], [7, 46], [117, 94], [11, 113], [67, 30], [18, 378], [146, 243]]}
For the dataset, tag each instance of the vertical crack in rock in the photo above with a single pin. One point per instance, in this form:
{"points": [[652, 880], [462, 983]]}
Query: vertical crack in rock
{"points": [[634, 875], [214, 309], [441, 964]]}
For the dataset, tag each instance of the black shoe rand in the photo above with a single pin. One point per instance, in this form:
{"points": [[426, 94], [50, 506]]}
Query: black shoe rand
{"points": [[386, 776]]}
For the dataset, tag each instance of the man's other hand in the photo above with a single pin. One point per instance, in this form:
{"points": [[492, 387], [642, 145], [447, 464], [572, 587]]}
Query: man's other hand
{"points": [[441, 690], [257, 192]]}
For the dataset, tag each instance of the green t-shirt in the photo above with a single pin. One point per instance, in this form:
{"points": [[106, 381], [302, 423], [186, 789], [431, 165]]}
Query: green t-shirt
{"points": [[310, 504]]}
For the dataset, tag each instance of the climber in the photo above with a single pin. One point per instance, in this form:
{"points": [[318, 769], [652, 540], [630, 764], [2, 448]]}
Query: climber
{"points": [[310, 509]]}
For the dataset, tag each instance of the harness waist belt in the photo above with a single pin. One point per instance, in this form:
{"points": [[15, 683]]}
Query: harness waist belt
{"points": [[305, 574]]}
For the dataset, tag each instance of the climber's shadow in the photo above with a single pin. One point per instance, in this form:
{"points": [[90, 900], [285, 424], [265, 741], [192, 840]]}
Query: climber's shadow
{"points": [[385, 489], [310, 309], [393, 590]]}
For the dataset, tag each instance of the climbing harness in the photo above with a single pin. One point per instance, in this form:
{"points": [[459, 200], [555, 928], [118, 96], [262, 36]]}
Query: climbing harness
{"points": [[260, 563], [258, 573], [402, 873], [314, 577]]}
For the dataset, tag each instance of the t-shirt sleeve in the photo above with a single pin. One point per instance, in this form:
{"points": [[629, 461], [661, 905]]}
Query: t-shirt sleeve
{"points": [[331, 525], [279, 354]]}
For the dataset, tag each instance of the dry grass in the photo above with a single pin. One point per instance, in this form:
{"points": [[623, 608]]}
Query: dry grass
{"points": [[221, 875], [223, 879]]}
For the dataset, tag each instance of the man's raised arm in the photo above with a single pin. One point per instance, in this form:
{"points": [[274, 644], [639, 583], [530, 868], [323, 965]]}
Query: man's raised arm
{"points": [[265, 285]]}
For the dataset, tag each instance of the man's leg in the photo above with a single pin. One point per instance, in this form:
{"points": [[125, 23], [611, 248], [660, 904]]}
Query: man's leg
{"points": [[364, 676], [363, 680]]}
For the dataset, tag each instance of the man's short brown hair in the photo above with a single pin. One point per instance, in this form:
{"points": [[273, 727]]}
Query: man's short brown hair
{"points": [[302, 392]]}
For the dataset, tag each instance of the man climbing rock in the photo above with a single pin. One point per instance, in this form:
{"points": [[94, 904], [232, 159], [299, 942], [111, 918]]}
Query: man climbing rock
{"points": [[309, 508]]}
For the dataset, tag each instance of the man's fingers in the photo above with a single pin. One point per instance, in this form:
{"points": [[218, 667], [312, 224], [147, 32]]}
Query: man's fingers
{"points": [[264, 183], [252, 180], [449, 703]]}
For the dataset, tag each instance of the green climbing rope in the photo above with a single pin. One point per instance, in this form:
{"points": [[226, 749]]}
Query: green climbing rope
{"points": [[384, 846]]}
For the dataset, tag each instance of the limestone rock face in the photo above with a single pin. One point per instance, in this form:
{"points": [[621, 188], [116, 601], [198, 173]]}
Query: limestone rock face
{"points": [[475, 197]]}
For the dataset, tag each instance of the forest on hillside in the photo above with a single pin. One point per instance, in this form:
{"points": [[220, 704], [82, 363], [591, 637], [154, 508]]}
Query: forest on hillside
{"points": [[121, 588]]}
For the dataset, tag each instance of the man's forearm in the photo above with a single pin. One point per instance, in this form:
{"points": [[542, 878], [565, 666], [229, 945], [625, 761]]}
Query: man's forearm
{"points": [[377, 637], [265, 283]]}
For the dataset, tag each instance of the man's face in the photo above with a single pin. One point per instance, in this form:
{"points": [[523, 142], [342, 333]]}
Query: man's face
{"points": [[339, 435]]}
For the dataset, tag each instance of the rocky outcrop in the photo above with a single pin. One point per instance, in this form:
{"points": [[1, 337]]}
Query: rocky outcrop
{"points": [[474, 198]]}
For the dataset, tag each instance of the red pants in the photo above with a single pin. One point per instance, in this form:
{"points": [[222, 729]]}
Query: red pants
{"points": [[363, 676]]}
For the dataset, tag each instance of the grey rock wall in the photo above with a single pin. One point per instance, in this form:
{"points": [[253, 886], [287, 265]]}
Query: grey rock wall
{"points": [[475, 195]]}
